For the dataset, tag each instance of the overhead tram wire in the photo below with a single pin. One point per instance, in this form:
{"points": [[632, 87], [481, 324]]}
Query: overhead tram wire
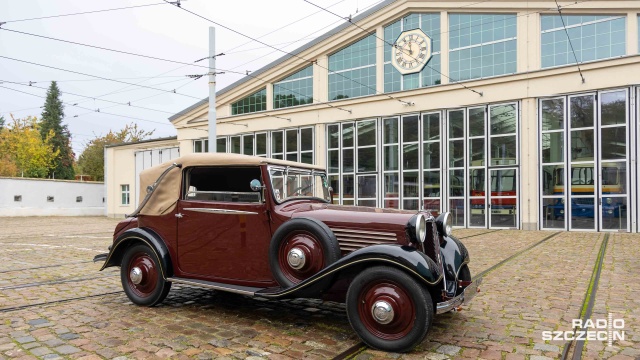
{"points": [[292, 55], [133, 118], [89, 97], [570, 43], [155, 58], [81, 13], [282, 27], [95, 76], [85, 80]]}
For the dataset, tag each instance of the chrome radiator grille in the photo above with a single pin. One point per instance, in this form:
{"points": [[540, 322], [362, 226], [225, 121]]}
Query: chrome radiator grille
{"points": [[350, 240]]}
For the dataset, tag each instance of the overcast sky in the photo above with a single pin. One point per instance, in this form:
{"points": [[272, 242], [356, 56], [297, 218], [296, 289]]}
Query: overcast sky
{"points": [[159, 30]]}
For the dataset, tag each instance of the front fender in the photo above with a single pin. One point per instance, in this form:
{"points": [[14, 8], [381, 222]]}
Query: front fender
{"points": [[404, 257], [137, 235]]}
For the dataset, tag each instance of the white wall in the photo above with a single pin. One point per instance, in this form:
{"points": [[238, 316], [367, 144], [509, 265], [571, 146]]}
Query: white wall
{"points": [[34, 194]]}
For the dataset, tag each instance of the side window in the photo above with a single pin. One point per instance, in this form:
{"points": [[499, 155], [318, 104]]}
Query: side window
{"points": [[222, 184]]}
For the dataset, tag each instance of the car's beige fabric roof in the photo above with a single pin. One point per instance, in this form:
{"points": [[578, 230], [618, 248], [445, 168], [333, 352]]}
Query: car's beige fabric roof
{"points": [[166, 195]]}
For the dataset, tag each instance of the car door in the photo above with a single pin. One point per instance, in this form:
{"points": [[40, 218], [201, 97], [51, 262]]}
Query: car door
{"points": [[223, 226]]}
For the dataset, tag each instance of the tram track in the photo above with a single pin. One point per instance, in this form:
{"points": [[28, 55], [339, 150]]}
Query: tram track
{"points": [[356, 349], [46, 266], [21, 307], [474, 235], [54, 282], [575, 347]]}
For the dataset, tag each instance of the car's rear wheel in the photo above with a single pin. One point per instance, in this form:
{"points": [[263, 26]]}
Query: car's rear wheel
{"points": [[141, 276], [388, 309], [299, 249]]}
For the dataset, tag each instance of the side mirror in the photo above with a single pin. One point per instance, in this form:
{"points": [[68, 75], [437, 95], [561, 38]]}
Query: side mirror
{"points": [[256, 185]]}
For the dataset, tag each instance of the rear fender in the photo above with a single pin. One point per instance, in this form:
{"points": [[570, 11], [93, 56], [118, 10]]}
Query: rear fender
{"points": [[135, 236]]}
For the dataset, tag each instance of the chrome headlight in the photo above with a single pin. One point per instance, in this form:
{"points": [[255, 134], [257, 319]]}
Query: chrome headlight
{"points": [[609, 201], [417, 228], [444, 223]]}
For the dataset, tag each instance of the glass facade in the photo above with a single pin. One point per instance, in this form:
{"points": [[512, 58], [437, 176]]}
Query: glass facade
{"points": [[296, 89], [585, 157], [252, 103], [352, 70], [594, 37], [295, 144], [430, 74], [481, 45]]}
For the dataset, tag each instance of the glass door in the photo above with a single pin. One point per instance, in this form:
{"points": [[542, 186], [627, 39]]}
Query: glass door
{"points": [[503, 198], [613, 190], [582, 179]]}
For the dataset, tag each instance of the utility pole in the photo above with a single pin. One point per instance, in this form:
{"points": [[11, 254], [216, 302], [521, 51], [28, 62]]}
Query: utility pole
{"points": [[212, 90]]}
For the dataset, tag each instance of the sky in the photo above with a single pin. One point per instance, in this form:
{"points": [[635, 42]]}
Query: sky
{"points": [[94, 106]]}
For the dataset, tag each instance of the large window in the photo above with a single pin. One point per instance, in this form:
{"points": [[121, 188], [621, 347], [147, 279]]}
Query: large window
{"points": [[481, 45], [593, 37], [252, 103], [295, 144], [202, 145], [352, 162], [296, 89], [352, 70], [430, 75]]}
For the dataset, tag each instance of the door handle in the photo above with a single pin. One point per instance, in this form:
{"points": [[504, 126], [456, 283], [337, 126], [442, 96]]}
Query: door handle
{"points": [[179, 215]]}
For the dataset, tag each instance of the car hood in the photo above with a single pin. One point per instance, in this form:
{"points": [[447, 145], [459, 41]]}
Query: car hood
{"points": [[358, 226]]}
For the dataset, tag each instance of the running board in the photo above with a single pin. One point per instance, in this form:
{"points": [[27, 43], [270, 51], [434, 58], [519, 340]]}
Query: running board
{"points": [[237, 289]]}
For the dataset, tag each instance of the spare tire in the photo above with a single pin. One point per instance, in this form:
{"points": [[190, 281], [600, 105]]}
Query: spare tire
{"points": [[299, 249]]}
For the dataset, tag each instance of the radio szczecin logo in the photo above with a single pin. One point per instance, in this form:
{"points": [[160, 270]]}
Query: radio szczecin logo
{"points": [[609, 329]]}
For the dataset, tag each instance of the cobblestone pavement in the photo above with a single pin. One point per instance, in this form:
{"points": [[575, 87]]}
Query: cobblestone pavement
{"points": [[55, 304]]}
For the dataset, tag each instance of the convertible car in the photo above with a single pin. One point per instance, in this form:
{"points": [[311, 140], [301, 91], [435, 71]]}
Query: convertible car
{"points": [[267, 228]]}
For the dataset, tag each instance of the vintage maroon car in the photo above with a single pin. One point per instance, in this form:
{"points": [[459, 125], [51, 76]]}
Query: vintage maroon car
{"points": [[267, 228]]}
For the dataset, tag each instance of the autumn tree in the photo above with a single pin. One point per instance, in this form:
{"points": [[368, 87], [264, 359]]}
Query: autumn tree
{"points": [[52, 116], [23, 152], [91, 161]]}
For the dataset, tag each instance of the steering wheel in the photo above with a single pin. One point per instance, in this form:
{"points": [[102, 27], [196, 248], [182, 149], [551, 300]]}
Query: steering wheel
{"points": [[299, 189]]}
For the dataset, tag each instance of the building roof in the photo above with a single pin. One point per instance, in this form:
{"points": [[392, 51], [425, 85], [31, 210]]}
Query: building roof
{"points": [[286, 57], [143, 141]]}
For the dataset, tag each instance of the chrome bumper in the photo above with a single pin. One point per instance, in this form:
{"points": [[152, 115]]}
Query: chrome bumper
{"points": [[466, 296]]}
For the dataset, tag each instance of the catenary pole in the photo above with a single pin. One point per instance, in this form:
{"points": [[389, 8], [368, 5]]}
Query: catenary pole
{"points": [[212, 89]]}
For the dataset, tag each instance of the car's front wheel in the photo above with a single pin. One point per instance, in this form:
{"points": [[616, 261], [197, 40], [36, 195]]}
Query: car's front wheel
{"points": [[141, 276], [388, 309]]}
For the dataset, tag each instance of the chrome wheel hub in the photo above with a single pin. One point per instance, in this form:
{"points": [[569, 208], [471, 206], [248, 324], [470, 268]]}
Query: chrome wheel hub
{"points": [[382, 312], [295, 258], [135, 275]]}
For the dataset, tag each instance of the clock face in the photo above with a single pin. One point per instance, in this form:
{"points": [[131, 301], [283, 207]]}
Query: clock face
{"points": [[411, 51]]}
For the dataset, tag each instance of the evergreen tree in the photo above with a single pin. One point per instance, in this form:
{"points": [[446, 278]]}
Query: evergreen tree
{"points": [[1, 122], [52, 116]]}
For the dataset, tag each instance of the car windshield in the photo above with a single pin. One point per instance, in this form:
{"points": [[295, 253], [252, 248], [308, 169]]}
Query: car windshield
{"points": [[292, 183]]}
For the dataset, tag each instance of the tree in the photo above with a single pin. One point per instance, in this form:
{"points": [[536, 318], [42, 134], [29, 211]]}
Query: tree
{"points": [[52, 116], [91, 161], [2, 121], [23, 152]]}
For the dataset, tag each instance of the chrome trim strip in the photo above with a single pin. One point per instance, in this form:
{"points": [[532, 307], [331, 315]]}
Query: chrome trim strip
{"points": [[221, 211], [364, 240], [464, 298], [380, 233], [296, 287], [209, 286]]}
